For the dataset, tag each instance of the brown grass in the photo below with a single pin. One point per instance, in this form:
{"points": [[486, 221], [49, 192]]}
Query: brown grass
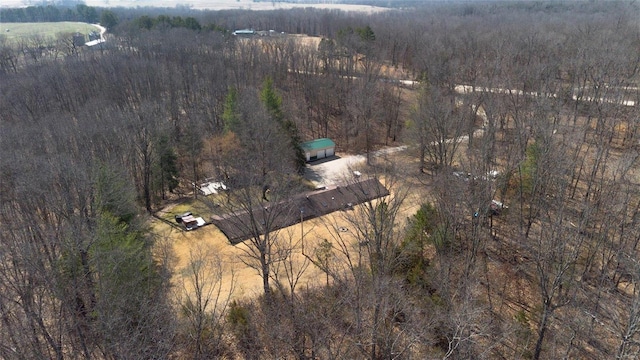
{"points": [[248, 281]]}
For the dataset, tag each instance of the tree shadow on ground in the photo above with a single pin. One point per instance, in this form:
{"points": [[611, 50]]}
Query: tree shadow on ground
{"points": [[313, 175], [323, 160]]}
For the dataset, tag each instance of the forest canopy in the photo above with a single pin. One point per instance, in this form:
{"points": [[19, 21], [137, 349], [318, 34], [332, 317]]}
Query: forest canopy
{"points": [[506, 134]]}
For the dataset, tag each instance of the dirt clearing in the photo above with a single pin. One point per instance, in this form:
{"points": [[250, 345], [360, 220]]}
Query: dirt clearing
{"points": [[233, 258]]}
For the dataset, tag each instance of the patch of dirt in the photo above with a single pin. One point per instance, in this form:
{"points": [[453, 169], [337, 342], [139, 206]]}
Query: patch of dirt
{"points": [[233, 258], [248, 280]]}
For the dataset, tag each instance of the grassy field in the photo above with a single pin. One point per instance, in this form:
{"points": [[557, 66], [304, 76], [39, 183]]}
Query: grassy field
{"points": [[17, 31], [246, 281], [235, 274], [214, 4]]}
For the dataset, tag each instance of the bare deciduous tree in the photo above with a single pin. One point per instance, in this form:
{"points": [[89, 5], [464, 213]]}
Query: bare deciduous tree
{"points": [[204, 299]]}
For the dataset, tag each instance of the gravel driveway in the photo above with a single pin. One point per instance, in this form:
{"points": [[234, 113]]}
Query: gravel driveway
{"points": [[337, 169]]}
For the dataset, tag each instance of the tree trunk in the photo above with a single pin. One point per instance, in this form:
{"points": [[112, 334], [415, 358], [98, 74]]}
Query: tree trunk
{"points": [[422, 162], [264, 263], [542, 331], [146, 187]]}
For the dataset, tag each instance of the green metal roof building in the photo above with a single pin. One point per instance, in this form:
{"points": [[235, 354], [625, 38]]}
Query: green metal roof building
{"points": [[318, 149]]}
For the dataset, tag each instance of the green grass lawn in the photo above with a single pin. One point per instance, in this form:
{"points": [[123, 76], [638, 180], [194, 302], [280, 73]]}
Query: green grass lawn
{"points": [[48, 30], [200, 207]]}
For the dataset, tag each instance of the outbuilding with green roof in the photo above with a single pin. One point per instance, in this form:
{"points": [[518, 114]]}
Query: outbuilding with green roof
{"points": [[318, 149]]}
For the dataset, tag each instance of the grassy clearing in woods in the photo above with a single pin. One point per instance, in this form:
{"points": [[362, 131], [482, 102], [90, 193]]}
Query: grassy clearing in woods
{"points": [[14, 32]]}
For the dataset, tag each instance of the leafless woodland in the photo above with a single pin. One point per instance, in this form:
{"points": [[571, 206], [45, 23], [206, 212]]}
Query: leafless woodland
{"points": [[531, 104]]}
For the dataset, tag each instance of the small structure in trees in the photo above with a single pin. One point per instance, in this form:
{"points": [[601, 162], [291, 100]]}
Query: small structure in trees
{"points": [[78, 39], [318, 149], [496, 207], [244, 32], [210, 187]]}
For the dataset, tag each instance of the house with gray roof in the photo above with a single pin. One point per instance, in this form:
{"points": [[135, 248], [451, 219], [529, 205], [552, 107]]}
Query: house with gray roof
{"points": [[242, 225]]}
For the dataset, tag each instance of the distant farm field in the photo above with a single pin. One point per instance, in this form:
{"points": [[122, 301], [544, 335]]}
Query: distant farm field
{"points": [[215, 5], [47, 30]]}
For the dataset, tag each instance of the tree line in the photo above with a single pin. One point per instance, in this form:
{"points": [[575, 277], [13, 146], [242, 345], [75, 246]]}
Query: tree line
{"points": [[52, 13]]}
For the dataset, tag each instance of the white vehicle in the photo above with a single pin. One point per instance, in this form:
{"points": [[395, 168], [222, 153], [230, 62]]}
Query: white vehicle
{"points": [[189, 221]]}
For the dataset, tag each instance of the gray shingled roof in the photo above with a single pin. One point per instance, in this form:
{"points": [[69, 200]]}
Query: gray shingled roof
{"points": [[239, 227]]}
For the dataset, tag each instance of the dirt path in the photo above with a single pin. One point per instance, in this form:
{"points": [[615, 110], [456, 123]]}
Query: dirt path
{"points": [[103, 30]]}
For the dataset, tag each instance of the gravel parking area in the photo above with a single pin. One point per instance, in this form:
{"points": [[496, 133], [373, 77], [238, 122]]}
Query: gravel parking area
{"points": [[337, 169]]}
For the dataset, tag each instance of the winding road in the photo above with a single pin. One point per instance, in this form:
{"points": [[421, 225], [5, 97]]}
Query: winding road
{"points": [[103, 30]]}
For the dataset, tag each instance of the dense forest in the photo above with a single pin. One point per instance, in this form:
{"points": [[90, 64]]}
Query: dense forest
{"points": [[521, 123]]}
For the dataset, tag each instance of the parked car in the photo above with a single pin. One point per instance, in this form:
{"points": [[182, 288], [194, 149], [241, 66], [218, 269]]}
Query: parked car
{"points": [[179, 217], [189, 221]]}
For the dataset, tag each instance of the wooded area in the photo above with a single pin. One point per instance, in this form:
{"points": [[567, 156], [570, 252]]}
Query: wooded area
{"points": [[533, 105]]}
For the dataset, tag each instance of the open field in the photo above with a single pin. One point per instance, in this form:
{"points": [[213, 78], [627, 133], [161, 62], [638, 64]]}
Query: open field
{"points": [[211, 5], [47, 30], [248, 283], [333, 227]]}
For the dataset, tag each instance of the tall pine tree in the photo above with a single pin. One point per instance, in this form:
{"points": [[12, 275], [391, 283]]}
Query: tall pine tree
{"points": [[230, 114], [273, 102]]}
